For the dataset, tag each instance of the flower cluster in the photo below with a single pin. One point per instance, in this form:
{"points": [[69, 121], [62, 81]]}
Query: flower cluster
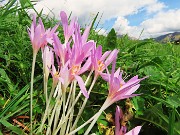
{"points": [[66, 61]]}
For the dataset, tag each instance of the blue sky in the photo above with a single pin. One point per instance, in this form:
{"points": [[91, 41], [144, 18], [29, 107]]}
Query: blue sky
{"points": [[135, 20], [154, 17]]}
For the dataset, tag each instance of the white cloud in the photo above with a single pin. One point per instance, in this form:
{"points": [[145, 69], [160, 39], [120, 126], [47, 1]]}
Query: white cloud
{"points": [[101, 31], [162, 23], [84, 9], [3, 2], [122, 27], [155, 6]]}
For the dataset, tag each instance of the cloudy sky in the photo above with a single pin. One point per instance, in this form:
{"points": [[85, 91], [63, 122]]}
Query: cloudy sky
{"points": [[149, 17]]}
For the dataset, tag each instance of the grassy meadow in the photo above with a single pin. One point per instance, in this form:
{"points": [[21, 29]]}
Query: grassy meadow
{"points": [[157, 109]]}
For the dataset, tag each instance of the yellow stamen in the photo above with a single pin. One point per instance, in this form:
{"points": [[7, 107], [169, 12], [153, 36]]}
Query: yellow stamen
{"points": [[100, 65], [57, 75], [121, 85], [75, 69]]}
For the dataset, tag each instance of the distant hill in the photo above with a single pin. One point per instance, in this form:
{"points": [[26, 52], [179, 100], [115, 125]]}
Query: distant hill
{"points": [[132, 38], [170, 37]]}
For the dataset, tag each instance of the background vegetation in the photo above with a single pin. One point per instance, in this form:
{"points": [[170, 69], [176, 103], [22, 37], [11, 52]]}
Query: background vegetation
{"points": [[157, 109]]}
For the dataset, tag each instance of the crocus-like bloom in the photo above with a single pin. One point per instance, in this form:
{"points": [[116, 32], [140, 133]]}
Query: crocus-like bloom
{"points": [[60, 50], [99, 61], [37, 35], [118, 88], [121, 129], [79, 58], [48, 60], [68, 29]]}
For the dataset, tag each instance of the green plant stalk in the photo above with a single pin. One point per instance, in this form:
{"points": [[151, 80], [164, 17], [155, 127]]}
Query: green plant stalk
{"points": [[31, 91], [171, 122], [47, 108], [83, 105]]}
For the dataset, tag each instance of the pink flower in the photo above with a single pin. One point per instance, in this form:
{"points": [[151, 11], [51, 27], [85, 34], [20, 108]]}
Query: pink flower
{"points": [[121, 129], [61, 51], [55, 75], [80, 61], [77, 68], [118, 88], [48, 60], [37, 35], [101, 62], [68, 29]]}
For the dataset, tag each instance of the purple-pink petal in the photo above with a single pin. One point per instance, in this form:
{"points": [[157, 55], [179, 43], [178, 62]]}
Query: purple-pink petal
{"points": [[85, 67], [111, 57], [134, 131], [117, 120], [82, 85], [85, 34], [104, 56]]}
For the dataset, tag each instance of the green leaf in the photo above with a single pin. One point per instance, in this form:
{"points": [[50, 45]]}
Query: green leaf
{"points": [[4, 78], [155, 115], [138, 45], [139, 105], [11, 127], [174, 100], [13, 101], [171, 122]]}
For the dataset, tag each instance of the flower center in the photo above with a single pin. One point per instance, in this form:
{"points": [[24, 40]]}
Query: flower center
{"points": [[56, 75], [121, 85], [75, 69], [100, 65]]}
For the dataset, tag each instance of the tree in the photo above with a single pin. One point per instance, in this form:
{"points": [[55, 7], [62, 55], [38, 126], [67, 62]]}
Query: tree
{"points": [[111, 41]]}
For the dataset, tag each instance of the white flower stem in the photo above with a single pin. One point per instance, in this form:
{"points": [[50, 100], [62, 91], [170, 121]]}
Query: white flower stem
{"points": [[83, 105], [93, 122], [64, 111], [69, 95], [70, 104], [94, 118], [58, 104], [58, 109], [67, 115], [47, 108], [45, 83], [31, 91], [76, 130], [104, 106]]}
